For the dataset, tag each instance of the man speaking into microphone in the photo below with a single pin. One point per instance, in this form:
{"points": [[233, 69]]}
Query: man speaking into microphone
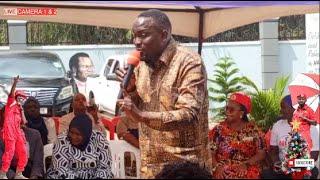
{"points": [[167, 95]]}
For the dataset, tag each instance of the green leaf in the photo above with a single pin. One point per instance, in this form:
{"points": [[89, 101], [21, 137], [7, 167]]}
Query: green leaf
{"points": [[223, 78], [265, 103], [233, 72], [246, 81]]}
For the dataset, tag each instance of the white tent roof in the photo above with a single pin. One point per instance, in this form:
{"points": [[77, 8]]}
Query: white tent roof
{"points": [[200, 19]]}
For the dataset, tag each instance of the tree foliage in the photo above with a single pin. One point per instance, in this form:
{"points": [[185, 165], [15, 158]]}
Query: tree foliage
{"points": [[225, 81], [3, 33], [42, 33], [266, 103], [58, 33]]}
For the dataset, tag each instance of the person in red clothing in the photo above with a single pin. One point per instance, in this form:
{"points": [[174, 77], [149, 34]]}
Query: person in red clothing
{"points": [[237, 144], [305, 115], [12, 134]]}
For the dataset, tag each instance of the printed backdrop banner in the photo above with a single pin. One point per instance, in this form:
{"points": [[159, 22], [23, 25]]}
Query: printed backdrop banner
{"points": [[312, 43]]}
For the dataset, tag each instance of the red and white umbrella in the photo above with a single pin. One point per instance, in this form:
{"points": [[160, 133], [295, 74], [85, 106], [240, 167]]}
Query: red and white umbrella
{"points": [[307, 84]]}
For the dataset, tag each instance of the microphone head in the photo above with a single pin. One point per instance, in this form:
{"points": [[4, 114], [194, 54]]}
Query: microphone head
{"points": [[91, 95], [134, 58], [91, 99]]}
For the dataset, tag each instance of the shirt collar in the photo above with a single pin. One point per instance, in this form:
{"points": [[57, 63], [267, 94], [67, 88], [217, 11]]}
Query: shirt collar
{"points": [[78, 82], [168, 52], [302, 108]]}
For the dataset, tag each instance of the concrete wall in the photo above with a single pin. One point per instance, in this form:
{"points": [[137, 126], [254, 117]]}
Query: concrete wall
{"points": [[98, 53], [247, 55], [243, 53], [292, 56]]}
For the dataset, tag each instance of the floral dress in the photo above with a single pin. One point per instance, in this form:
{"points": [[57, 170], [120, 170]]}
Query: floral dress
{"points": [[234, 147]]}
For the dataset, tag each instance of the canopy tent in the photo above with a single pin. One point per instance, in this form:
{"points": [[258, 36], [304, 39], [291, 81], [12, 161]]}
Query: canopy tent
{"points": [[201, 19]]}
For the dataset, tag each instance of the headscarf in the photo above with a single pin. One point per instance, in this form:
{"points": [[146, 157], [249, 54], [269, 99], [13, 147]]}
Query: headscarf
{"points": [[287, 100], [36, 122], [83, 124], [242, 99]]}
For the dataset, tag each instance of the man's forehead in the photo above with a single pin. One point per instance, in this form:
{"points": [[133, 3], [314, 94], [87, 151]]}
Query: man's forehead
{"points": [[143, 22], [84, 60], [79, 97]]}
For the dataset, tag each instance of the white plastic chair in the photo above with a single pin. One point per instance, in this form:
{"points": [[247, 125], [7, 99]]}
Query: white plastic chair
{"points": [[108, 136], [47, 152], [118, 149], [317, 163]]}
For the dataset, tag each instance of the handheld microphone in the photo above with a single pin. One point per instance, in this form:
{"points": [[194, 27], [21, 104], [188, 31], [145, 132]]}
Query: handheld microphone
{"points": [[133, 61]]}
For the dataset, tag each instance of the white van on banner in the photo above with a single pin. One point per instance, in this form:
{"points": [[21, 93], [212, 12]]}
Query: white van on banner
{"points": [[312, 42]]}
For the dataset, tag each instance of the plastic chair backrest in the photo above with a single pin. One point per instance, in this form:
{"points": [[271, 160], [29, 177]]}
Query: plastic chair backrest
{"points": [[115, 120], [47, 152], [111, 125], [56, 123], [118, 149]]}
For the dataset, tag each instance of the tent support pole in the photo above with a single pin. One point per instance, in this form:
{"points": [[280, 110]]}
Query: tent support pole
{"points": [[200, 34]]}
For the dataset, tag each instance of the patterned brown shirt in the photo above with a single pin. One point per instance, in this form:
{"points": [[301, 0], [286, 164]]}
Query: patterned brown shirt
{"points": [[176, 89]]}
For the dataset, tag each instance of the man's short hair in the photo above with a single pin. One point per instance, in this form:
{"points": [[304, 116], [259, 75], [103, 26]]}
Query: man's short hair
{"points": [[74, 60], [183, 170], [160, 18]]}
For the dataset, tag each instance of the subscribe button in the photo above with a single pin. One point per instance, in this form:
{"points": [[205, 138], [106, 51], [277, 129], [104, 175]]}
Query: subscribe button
{"points": [[301, 163], [30, 11]]}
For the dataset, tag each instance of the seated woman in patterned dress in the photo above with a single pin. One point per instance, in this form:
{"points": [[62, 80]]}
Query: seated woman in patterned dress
{"points": [[237, 145], [82, 153]]}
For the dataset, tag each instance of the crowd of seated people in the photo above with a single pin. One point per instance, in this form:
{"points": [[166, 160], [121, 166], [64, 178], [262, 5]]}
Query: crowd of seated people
{"points": [[80, 150], [40, 131], [45, 126], [34, 168], [79, 106], [237, 144], [279, 142]]}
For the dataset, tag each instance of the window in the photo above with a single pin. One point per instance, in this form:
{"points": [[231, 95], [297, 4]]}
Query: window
{"points": [[108, 67], [24, 66]]}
